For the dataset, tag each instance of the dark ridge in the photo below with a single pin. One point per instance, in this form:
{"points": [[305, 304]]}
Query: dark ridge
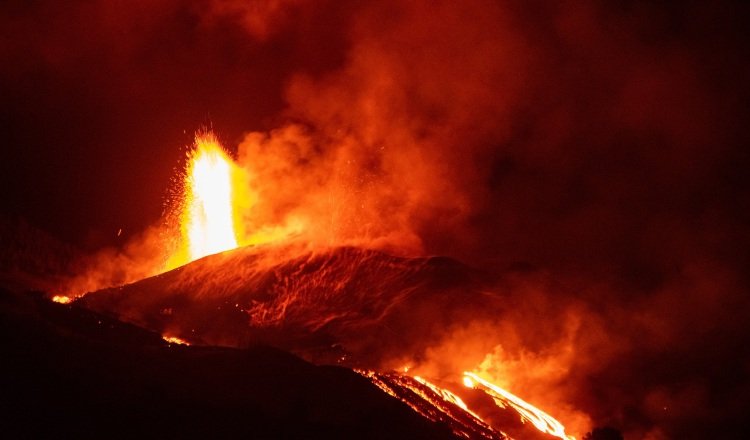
{"points": [[30, 258], [71, 373]]}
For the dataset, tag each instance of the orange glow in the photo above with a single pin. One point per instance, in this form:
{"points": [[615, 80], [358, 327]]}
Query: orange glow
{"points": [[529, 413], [62, 299]]}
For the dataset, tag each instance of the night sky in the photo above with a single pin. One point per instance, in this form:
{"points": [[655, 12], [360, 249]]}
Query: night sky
{"points": [[100, 99], [603, 144]]}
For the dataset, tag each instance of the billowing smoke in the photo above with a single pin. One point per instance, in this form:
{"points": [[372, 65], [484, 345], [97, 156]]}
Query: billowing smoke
{"points": [[599, 143], [388, 147], [591, 152]]}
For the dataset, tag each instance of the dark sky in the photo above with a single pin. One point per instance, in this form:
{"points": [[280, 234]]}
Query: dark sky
{"points": [[603, 141], [100, 99]]}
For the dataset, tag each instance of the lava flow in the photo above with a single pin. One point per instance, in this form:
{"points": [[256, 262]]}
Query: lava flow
{"points": [[62, 299], [434, 403], [528, 412], [440, 404]]}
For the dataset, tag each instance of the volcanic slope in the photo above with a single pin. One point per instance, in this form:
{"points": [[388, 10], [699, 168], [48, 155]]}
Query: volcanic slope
{"points": [[346, 304], [70, 372], [354, 307]]}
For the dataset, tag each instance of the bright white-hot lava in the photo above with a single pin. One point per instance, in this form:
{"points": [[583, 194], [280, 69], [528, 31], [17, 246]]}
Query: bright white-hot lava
{"points": [[62, 299], [206, 215], [209, 222]]}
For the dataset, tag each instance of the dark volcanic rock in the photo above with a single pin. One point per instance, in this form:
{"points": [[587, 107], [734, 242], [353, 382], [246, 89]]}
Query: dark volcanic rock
{"points": [[362, 302], [68, 372], [32, 259]]}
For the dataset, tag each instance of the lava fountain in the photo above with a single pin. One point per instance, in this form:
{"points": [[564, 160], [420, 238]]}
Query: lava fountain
{"points": [[206, 218]]}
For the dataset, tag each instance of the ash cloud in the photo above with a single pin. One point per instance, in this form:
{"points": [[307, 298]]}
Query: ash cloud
{"points": [[600, 142], [597, 144]]}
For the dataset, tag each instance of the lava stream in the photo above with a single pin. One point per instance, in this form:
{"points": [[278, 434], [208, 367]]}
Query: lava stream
{"points": [[540, 419], [434, 403]]}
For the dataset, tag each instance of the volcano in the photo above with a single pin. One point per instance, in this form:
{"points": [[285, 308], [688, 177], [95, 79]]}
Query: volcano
{"points": [[353, 307]]}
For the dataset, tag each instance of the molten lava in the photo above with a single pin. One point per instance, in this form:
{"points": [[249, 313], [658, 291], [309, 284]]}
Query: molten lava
{"points": [[175, 340], [434, 403], [529, 413], [207, 218], [442, 405], [62, 299]]}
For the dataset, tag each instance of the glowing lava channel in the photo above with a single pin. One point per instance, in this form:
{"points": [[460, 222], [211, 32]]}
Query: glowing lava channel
{"points": [[207, 217], [540, 419]]}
